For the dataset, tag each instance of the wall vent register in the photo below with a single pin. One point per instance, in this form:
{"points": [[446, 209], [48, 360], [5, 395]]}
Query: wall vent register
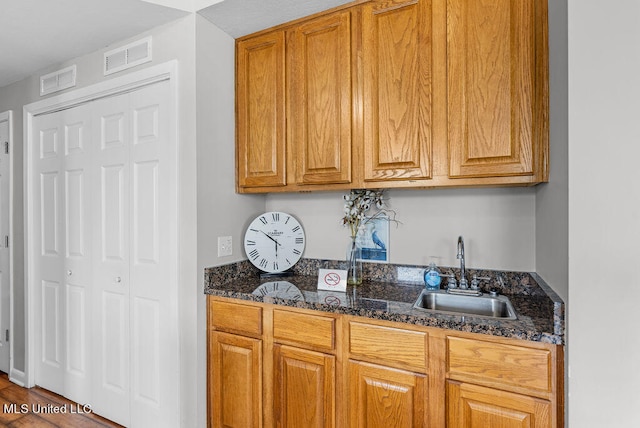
{"points": [[127, 56], [58, 80]]}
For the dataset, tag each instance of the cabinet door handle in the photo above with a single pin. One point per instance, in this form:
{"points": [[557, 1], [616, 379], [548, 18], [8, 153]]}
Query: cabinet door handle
{"points": [[118, 279], [69, 272]]}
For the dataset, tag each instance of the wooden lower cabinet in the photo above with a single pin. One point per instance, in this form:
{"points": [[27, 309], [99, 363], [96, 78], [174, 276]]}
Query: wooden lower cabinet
{"points": [[386, 397], [235, 381], [476, 406], [275, 366], [304, 388]]}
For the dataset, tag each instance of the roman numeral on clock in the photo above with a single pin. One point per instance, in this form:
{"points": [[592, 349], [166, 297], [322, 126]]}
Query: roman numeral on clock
{"points": [[254, 254], [299, 240]]}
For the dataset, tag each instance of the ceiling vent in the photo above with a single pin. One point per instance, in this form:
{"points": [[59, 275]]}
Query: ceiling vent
{"points": [[58, 80], [127, 56]]}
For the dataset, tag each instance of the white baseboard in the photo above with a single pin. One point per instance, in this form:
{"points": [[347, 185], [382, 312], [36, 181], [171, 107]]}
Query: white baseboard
{"points": [[18, 377]]}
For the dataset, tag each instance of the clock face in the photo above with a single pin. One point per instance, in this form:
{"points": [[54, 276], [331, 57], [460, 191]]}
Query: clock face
{"points": [[274, 241], [279, 289]]}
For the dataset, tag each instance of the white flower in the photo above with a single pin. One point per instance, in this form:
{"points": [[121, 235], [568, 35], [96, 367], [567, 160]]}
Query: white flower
{"points": [[356, 205]]}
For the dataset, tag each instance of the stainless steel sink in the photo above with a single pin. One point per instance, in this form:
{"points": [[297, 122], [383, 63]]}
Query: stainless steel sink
{"points": [[483, 306]]}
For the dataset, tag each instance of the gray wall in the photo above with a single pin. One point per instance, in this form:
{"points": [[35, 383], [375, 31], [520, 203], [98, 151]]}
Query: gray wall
{"points": [[552, 204], [552, 217], [604, 213], [13, 97], [498, 225], [221, 212]]}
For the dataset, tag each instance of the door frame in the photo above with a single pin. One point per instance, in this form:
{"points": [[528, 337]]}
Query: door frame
{"points": [[7, 116], [167, 71]]}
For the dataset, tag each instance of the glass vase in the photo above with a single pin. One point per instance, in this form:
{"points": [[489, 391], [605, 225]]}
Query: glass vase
{"points": [[354, 257]]}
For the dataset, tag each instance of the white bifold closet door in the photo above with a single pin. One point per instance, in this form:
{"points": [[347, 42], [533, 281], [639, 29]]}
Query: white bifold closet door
{"points": [[62, 186], [105, 213]]}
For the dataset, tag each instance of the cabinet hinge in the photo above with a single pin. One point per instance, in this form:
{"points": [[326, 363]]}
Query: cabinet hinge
{"points": [[6, 241], [6, 335], [6, 147]]}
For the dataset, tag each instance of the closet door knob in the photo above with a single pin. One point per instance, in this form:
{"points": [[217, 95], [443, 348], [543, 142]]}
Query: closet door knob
{"points": [[69, 272], [118, 279]]}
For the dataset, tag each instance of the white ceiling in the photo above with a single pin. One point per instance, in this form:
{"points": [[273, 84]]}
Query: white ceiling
{"points": [[35, 34], [241, 17]]}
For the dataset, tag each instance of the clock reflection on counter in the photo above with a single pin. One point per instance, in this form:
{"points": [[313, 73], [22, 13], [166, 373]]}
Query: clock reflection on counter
{"points": [[288, 291], [280, 290]]}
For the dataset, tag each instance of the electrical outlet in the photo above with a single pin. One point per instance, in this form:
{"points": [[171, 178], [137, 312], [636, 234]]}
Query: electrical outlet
{"points": [[225, 246]]}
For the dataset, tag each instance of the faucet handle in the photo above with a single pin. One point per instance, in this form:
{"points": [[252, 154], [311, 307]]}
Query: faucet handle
{"points": [[451, 282], [451, 279], [476, 280]]}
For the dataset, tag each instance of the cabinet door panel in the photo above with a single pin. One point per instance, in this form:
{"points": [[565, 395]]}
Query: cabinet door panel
{"points": [[378, 344], [500, 365], [384, 397], [304, 388], [260, 109], [491, 50], [304, 330], [320, 88], [235, 381], [397, 64], [236, 318], [475, 406]]}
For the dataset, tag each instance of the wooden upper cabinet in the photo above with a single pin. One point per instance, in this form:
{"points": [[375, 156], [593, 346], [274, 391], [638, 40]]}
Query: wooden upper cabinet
{"points": [[497, 88], [396, 93], [320, 64], [397, 64], [260, 110]]}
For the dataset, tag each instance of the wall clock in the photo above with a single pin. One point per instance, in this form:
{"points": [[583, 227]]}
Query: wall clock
{"points": [[274, 242], [279, 289]]}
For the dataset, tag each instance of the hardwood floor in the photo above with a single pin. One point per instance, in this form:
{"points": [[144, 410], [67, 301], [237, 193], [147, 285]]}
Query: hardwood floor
{"points": [[34, 408]]}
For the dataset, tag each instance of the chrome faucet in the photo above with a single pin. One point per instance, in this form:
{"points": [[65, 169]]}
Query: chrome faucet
{"points": [[460, 256]]}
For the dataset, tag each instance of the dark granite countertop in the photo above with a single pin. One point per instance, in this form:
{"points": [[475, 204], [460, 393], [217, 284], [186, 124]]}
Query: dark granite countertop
{"points": [[540, 312]]}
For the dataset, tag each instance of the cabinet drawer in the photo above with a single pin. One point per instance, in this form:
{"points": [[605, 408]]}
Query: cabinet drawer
{"points": [[393, 346], [235, 317], [499, 364], [304, 329]]}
